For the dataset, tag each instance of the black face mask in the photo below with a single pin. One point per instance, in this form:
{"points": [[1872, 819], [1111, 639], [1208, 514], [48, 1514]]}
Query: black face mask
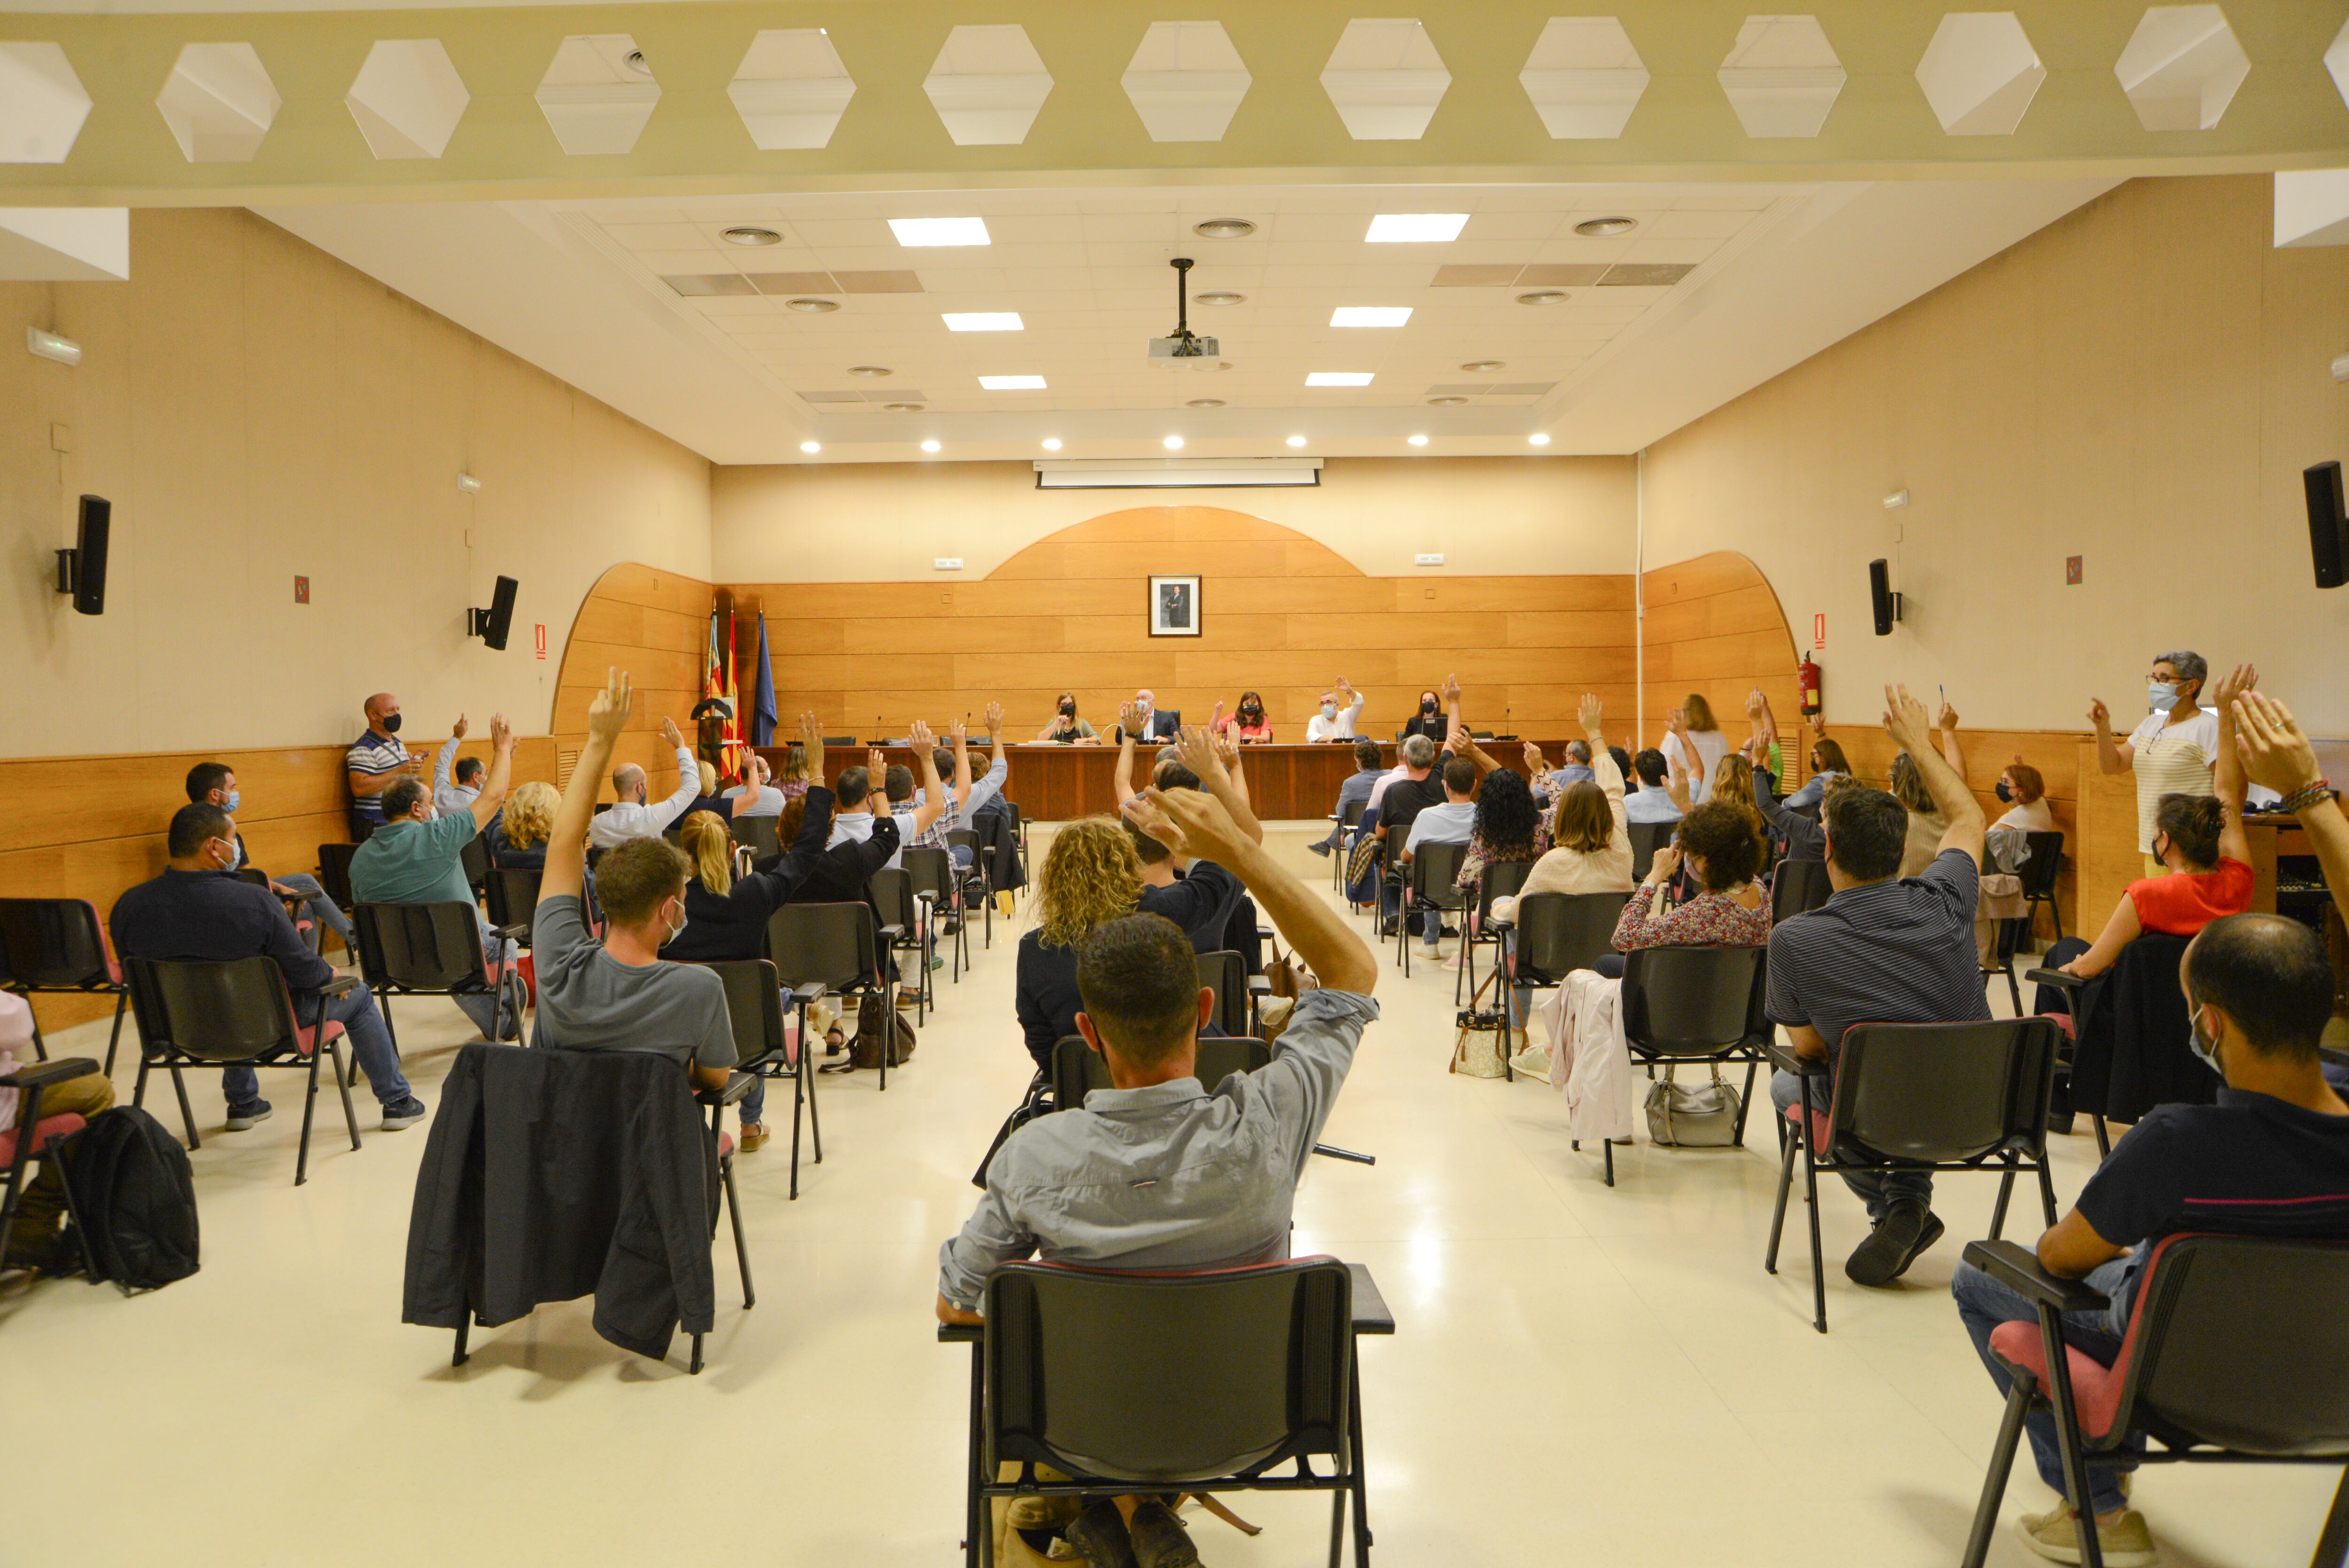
{"points": [[1068, 710], [1251, 711], [1425, 706], [2005, 794], [391, 724]]}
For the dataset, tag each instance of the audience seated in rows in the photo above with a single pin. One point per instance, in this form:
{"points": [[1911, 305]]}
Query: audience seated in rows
{"points": [[214, 784], [859, 812], [1591, 846], [707, 797], [415, 858], [1926, 822], [33, 1234], [1827, 762], [1064, 727], [1154, 1174], [1450, 820], [2271, 1158], [1369, 768], [1651, 801], [518, 838], [802, 768], [1338, 717], [199, 909], [1884, 950], [2276, 756], [636, 815], [1505, 828], [961, 796]]}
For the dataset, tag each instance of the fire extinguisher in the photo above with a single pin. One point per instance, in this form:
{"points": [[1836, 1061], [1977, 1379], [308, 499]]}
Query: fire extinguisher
{"points": [[1808, 676]]}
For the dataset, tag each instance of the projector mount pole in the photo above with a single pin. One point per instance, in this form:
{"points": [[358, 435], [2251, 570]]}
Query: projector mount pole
{"points": [[1182, 266]]}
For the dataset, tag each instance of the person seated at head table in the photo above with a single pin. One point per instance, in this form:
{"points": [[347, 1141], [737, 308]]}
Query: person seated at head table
{"points": [[1147, 720], [1339, 713], [1246, 724], [754, 797], [214, 784], [1428, 718], [2271, 1158], [636, 815], [518, 839], [1440, 735], [1094, 1185], [1368, 770], [1064, 727]]}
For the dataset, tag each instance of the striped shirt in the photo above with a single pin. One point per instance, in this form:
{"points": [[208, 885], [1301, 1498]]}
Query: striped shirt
{"points": [[375, 756], [1883, 952], [2171, 759]]}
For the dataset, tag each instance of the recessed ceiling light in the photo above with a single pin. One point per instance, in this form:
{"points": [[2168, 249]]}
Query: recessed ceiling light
{"points": [[1369, 316], [1606, 228], [915, 232], [1219, 296], [636, 62], [982, 321], [1543, 296], [1474, 366], [812, 307], [1538, 439], [811, 447], [1172, 443], [1415, 228], [1204, 402], [1338, 378], [1416, 441], [930, 445], [1446, 402], [1012, 382], [1052, 443], [870, 370], [745, 234], [1296, 440], [1224, 229], [901, 407]]}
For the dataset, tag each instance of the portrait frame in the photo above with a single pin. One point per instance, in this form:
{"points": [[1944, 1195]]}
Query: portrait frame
{"points": [[1175, 610]]}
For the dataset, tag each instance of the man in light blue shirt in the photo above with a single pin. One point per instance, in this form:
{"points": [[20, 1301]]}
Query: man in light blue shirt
{"points": [[1651, 802]]}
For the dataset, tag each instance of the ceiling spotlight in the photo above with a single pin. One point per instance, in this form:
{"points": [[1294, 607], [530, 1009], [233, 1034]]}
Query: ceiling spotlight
{"points": [[1219, 296], [1052, 443], [1415, 228], [1012, 382], [913, 232], [1606, 228], [1172, 443], [901, 407], [1296, 440], [636, 62], [1416, 441], [982, 321], [812, 307], [930, 445], [1543, 296], [1446, 402], [1369, 316], [1476, 366], [1224, 229], [870, 370], [1339, 378], [1538, 439], [745, 234], [811, 447], [1204, 402]]}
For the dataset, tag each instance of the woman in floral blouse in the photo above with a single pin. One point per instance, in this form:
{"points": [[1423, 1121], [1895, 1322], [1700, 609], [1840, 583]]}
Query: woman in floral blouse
{"points": [[1507, 826], [1733, 910]]}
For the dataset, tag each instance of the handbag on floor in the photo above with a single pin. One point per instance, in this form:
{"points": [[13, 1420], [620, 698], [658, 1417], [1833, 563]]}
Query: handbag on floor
{"points": [[864, 1050], [1704, 1117], [1481, 1049]]}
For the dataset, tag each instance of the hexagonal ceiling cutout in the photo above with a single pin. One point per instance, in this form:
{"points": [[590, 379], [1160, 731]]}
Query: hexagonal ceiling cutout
{"points": [[1584, 78], [2181, 67], [42, 104], [597, 93], [987, 84], [791, 88], [1385, 78], [1782, 76], [408, 98], [219, 102], [1185, 81], [1980, 73]]}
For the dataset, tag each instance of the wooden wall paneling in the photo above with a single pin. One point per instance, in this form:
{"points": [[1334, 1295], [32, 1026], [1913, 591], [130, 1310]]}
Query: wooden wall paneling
{"points": [[654, 625], [1714, 625]]}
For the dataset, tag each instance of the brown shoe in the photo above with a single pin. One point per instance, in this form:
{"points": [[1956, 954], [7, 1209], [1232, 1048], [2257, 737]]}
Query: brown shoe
{"points": [[1159, 1539], [1099, 1537], [753, 1138]]}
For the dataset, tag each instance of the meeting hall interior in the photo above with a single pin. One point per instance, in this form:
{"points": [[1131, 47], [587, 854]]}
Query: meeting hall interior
{"points": [[1251, 784]]}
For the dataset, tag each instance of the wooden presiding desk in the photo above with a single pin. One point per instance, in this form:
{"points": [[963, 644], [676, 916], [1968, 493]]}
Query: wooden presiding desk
{"points": [[1054, 783]]}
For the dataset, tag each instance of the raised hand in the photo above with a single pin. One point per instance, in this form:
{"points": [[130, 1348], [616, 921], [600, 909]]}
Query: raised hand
{"points": [[1906, 721], [876, 767], [1192, 823], [670, 732], [1818, 723], [2097, 714], [812, 737], [958, 734], [1676, 722], [1129, 717], [1195, 746], [994, 712], [2274, 753], [919, 735], [1754, 702], [2243, 678], [460, 731], [1227, 746], [1535, 763], [1948, 717], [1593, 711], [500, 732], [608, 711], [1344, 690], [1452, 691]]}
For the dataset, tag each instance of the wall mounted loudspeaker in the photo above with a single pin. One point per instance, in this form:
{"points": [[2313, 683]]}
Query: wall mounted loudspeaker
{"points": [[492, 624], [2328, 524], [1881, 598], [81, 571]]}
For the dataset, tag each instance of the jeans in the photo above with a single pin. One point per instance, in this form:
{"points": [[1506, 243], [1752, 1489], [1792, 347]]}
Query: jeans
{"points": [[752, 1109], [370, 1044], [1983, 1303], [482, 1007], [322, 908], [1880, 1189]]}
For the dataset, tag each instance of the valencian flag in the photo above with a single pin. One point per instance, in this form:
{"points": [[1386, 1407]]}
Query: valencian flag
{"points": [[718, 736], [762, 704]]}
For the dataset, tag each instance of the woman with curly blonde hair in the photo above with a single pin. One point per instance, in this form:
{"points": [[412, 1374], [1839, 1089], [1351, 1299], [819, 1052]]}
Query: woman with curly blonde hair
{"points": [[1090, 874], [523, 828]]}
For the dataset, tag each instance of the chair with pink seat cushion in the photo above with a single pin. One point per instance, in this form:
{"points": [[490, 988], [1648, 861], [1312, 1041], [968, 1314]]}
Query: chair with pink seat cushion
{"points": [[36, 1137], [767, 1042], [433, 950], [2236, 1352], [195, 1013], [57, 946]]}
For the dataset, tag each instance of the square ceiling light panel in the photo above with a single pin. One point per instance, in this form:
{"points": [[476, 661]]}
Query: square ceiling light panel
{"points": [[1339, 378], [1185, 81], [790, 89], [982, 321], [598, 94], [916, 232], [1369, 316], [1012, 382], [219, 102], [42, 104], [1415, 228]]}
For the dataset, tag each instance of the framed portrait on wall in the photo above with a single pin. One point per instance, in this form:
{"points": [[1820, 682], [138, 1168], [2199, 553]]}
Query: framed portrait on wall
{"points": [[1174, 607]]}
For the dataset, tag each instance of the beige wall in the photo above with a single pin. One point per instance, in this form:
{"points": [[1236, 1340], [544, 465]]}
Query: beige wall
{"points": [[254, 409], [2140, 384], [870, 523]]}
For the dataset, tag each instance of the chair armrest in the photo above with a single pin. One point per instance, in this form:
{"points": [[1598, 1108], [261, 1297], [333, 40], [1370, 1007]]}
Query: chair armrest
{"points": [[2018, 1268], [808, 991], [518, 931], [1259, 985], [1786, 1061], [2055, 977], [1500, 921], [736, 1088], [1264, 932], [892, 934], [340, 986], [1371, 1315], [962, 1333], [40, 1075]]}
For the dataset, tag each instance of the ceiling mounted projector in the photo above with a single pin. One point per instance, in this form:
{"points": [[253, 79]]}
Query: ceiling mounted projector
{"points": [[1185, 350]]}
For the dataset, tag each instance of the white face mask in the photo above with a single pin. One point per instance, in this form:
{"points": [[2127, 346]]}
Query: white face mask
{"points": [[678, 928], [1328, 710], [2161, 695]]}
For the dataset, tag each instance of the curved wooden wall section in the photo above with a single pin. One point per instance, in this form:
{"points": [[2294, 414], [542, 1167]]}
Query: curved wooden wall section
{"points": [[654, 625], [1712, 625]]}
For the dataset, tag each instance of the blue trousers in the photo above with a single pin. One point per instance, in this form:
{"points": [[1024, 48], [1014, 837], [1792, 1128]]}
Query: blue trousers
{"points": [[370, 1043], [1880, 1189], [1983, 1303]]}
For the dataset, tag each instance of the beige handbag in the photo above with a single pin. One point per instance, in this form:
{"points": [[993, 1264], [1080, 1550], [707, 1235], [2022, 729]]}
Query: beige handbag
{"points": [[1481, 1049], [1704, 1117]]}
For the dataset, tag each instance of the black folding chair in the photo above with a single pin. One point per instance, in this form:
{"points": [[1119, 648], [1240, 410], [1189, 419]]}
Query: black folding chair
{"points": [[1349, 819], [1646, 837], [513, 896], [37, 1137], [334, 874], [1019, 836], [2236, 1354], [475, 858], [754, 1003], [2038, 877], [1918, 1097], [1502, 878], [893, 893], [1431, 890], [840, 947], [1252, 1370], [435, 950], [1797, 887], [932, 871], [1078, 1069], [59, 947], [976, 872], [1237, 992], [1696, 1005], [761, 835], [236, 1014], [2132, 1043], [1549, 937]]}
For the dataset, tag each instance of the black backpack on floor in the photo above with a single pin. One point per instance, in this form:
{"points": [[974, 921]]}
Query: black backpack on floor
{"points": [[135, 1199]]}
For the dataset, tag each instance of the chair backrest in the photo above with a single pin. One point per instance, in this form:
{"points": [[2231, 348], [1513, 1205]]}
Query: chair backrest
{"points": [[1693, 1001], [1077, 1068], [1797, 887], [1226, 974], [2046, 863], [1434, 870], [475, 858], [1245, 1367], [1558, 932], [840, 740], [420, 946], [232, 1011], [2236, 1340], [1808, 810], [335, 872], [1945, 1091], [52, 942], [759, 832], [892, 892], [516, 887], [1645, 838], [931, 869], [1353, 813], [962, 838], [754, 1004], [831, 942], [1501, 879]]}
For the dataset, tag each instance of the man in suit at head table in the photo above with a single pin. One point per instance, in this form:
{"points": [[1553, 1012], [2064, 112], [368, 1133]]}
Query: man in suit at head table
{"points": [[1152, 722]]}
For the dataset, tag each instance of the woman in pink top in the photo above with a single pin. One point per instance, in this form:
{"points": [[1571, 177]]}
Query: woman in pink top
{"points": [[1248, 726]]}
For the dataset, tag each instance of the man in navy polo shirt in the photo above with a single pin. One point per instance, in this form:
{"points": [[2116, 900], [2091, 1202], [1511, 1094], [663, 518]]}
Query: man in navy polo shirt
{"points": [[2271, 1158]]}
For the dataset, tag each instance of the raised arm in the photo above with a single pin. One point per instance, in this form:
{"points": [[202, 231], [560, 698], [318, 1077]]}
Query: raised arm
{"points": [[934, 790], [689, 777], [2111, 757], [1680, 753], [1202, 752], [493, 797], [1353, 707], [960, 731], [1906, 721], [995, 735], [566, 841], [447, 759], [2234, 839], [2276, 754], [1766, 723], [1945, 735], [1121, 775]]}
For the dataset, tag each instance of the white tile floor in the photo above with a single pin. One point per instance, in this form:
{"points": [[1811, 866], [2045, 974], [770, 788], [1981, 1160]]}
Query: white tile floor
{"points": [[1581, 1375]]}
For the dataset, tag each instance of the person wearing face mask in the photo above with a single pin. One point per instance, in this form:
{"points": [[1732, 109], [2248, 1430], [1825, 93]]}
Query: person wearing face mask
{"points": [[2172, 752], [374, 763], [2023, 792], [214, 784], [617, 995], [1152, 722], [1247, 724], [1428, 719], [2270, 1159], [1340, 711], [1065, 728], [198, 910]]}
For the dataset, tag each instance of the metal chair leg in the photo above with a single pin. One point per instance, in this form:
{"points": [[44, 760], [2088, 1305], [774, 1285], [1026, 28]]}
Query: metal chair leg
{"points": [[2005, 1191], [696, 1368], [187, 1113], [2046, 1188], [309, 1107], [2002, 1466], [1745, 1106], [1819, 1254], [2077, 1484], [114, 1039], [2332, 1545], [975, 1511], [2104, 1140], [350, 1119], [815, 1120], [462, 1355], [799, 1099], [1362, 1487], [742, 1252], [1786, 1187]]}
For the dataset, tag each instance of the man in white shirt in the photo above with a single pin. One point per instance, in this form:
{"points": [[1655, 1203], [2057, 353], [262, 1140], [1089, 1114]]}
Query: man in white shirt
{"points": [[1449, 823], [455, 791], [1333, 722], [635, 817], [766, 799], [1149, 723], [1651, 802]]}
